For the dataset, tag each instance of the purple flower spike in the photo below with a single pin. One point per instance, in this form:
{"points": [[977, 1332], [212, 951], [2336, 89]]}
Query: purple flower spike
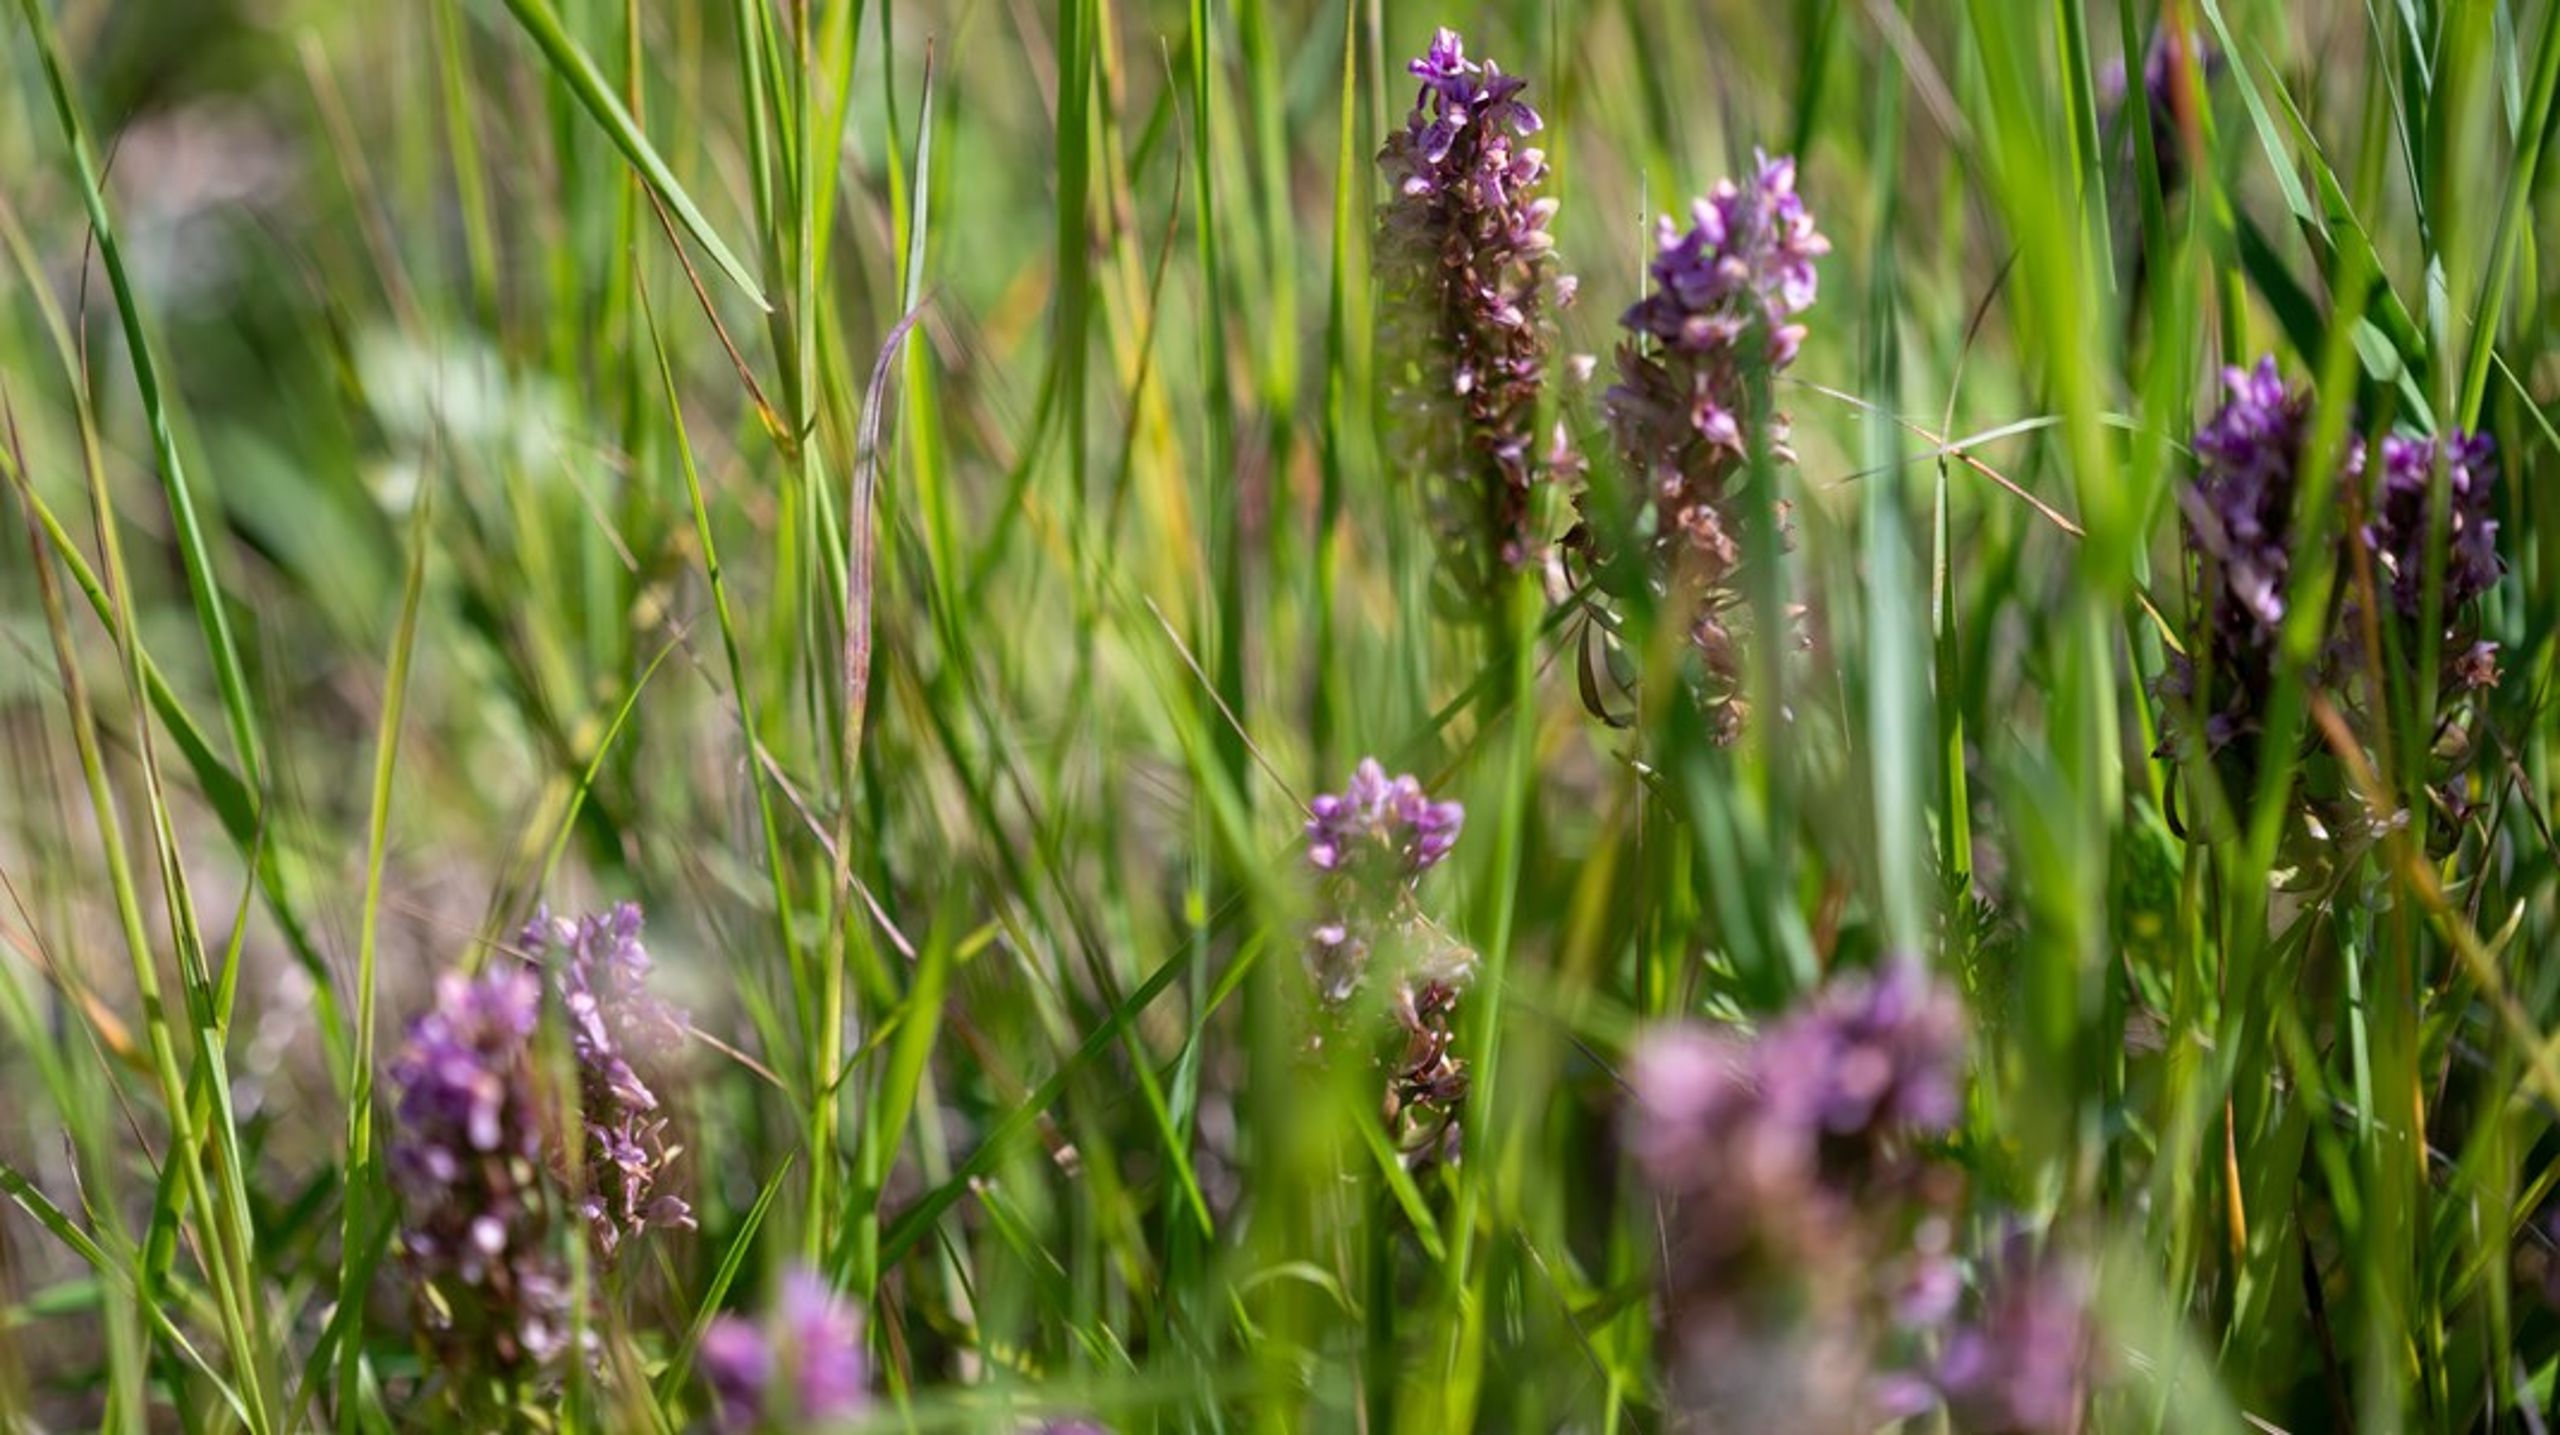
{"points": [[2401, 530], [2239, 519], [465, 1159], [1725, 296], [1467, 267], [1801, 1212], [1373, 842], [2239, 522], [2024, 1364], [804, 1367], [615, 1021], [1380, 829]]}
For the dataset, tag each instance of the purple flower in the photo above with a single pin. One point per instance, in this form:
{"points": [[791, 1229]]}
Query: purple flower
{"points": [[1822, 1103], [615, 1021], [1372, 843], [2401, 531], [2023, 1365], [2239, 521], [1725, 295], [1872, 1059], [804, 1366], [1799, 1222], [1380, 828], [465, 1160], [1465, 261]]}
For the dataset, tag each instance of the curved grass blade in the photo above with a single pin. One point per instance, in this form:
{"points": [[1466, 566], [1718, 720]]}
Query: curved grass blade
{"points": [[579, 73], [50, 1216], [671, 1379], [202, 587]]}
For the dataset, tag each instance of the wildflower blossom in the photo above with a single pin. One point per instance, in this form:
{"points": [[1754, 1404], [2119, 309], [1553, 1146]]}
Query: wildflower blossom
{"points": [[804, 1367], [465, 1160], [2022, 1365], [1372, 843], [1721, 316], [2401, 528], [615, 1021], [1800, 1222], [1467, 268], [2239, 521], [2239, 514], [1378, 828]]}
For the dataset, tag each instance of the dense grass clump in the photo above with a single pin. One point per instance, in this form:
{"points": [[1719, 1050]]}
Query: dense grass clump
{"points": [[1555, 716]]}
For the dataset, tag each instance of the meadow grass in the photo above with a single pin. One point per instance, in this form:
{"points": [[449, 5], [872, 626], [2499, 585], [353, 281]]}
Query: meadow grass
{"points": [[916, 496]]}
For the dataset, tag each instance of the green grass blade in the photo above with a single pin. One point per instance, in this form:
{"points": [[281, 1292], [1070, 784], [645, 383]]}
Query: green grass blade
{"points": [[589, 85]]}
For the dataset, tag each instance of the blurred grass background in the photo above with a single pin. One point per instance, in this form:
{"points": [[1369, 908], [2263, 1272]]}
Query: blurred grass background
{"points": [[898, 490]]}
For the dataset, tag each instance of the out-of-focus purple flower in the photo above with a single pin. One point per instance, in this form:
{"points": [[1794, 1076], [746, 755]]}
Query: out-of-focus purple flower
{"points": [[466, 1161], [1467, 268], [1799, 1223], [2023, 1365], [615, 1021], [737, 1364], [2165, 99], [803, 1367], [1721, 316], [1873, 1059]]}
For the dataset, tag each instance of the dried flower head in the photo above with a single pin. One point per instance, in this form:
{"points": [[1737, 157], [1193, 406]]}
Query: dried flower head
{"points": [[615, 1021], [1691, 394], [466, 1162], [1467, 268], [802, 1368]]}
